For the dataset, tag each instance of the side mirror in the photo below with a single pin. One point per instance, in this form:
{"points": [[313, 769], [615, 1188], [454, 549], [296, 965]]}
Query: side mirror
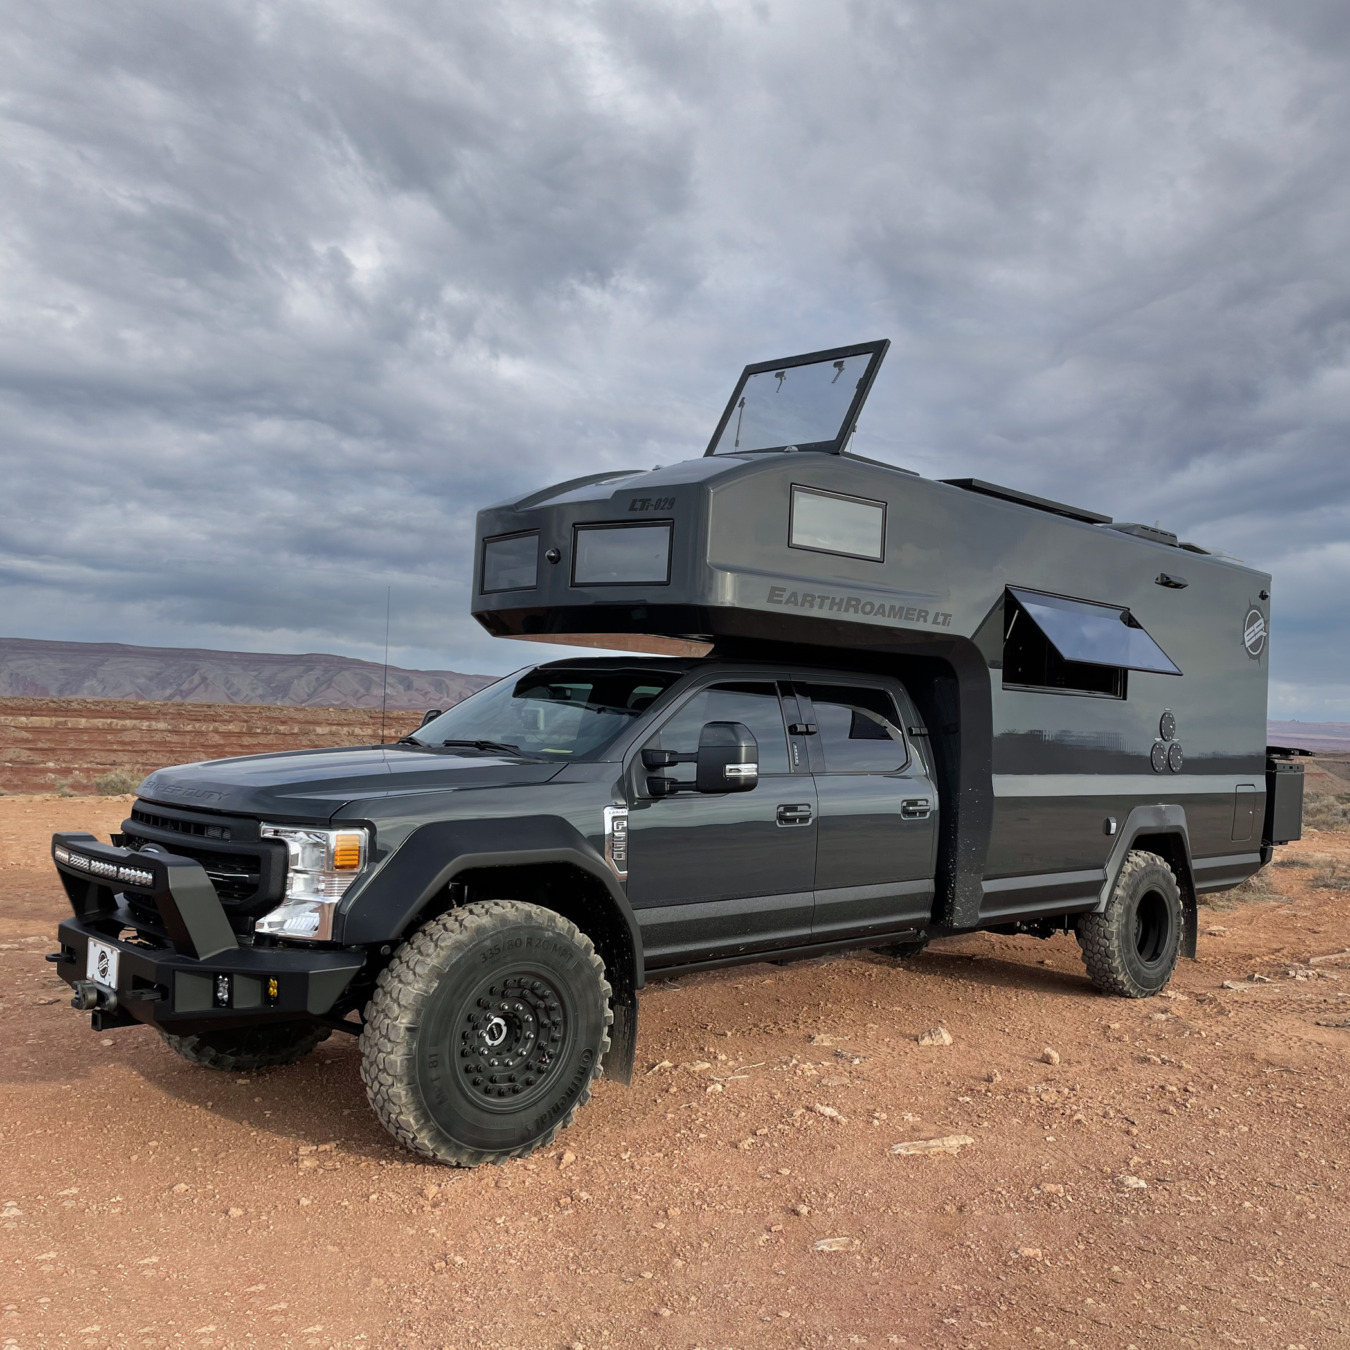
{"points": [[430, 716], [727, 759]]}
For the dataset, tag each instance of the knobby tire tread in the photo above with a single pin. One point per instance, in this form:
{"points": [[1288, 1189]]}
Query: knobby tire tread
{"points": [[388, 1041], [1101, 941], [265, 1047]]}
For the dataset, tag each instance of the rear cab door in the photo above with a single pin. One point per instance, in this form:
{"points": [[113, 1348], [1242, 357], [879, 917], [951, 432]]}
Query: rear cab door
{"points": [[877, 807]]}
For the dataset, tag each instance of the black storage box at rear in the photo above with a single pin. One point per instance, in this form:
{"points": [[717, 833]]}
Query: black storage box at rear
{"points": [[1284, 801]]}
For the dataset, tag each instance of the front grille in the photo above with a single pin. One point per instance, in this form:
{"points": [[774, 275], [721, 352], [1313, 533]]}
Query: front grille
{"points": [[248, 872], [202, 829]]}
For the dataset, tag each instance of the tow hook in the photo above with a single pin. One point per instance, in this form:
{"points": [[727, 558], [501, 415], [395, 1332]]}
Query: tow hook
{"points": [[89, 996]]}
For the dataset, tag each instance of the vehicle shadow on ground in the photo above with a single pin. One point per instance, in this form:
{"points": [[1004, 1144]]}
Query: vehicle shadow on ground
{"points": [[318, 1100]]}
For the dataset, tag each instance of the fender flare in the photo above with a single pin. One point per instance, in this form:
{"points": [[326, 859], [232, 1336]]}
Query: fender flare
{"points": [[434, 854], [1167, 820]]}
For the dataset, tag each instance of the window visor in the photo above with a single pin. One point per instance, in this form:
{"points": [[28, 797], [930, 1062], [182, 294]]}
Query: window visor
{"points": [[1100, 635]]}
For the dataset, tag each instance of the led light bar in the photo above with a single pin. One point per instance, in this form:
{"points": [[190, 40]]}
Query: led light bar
{"points": [[97, 867]]}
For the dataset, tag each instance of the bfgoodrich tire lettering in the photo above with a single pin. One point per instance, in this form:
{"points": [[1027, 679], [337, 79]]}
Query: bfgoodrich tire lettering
{"points": [[486, 1032], [1131, 947]]}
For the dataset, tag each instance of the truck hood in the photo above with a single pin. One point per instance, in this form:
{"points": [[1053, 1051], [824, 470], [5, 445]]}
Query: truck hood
{"points": [[314, 783]]}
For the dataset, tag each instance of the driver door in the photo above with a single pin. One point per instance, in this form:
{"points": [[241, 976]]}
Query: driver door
{"points": [[720, 874]]}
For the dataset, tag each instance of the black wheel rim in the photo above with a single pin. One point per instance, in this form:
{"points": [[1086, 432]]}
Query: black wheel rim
{"points": [[510, 1037], [1152, 928]]}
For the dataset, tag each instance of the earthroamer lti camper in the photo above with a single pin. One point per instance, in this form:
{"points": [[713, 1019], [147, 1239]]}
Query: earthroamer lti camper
{"points": [[861, 709]]}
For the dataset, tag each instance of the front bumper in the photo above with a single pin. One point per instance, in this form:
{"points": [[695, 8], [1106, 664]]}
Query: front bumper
{"points": [[189, 974]]}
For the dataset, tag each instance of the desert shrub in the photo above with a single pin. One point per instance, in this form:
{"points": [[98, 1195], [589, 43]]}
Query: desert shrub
{"points": [[1336, 878], [1327, 811], [117, 782], [1259, 887], [1291, 862]]}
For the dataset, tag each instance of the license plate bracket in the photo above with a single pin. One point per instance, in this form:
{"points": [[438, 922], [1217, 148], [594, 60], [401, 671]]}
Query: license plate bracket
{"points": [[101, 965]]}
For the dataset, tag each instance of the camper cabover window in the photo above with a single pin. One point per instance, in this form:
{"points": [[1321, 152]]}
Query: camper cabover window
{"points": [[1031, 660], [828, 522], [621, 555], [511, 563]]}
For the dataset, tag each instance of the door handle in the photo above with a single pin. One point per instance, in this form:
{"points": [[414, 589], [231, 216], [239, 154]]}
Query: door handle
{"points": [[915, 808], [795, 814]]}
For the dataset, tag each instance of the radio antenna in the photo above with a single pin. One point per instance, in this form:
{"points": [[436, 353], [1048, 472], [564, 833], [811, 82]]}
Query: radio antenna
{"points": [[384, 679]]}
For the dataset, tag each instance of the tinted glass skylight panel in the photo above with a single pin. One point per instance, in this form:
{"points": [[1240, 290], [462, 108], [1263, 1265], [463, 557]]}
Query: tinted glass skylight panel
{"points": [[1101, 635], [794, 405]]}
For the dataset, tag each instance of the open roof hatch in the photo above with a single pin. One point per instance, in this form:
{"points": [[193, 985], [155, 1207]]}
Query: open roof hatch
{"points": [[808, 402]]}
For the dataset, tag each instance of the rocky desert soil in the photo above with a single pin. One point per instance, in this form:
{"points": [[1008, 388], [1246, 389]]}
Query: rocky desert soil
{"points": [[69, 743], [1171, 1172]]}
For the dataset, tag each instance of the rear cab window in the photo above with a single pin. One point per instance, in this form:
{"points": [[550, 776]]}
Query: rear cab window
{"points": [[858, 728]]}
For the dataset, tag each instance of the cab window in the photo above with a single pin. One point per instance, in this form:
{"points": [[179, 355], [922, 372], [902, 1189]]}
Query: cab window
{"points": [[859, 729], [753, 704]]}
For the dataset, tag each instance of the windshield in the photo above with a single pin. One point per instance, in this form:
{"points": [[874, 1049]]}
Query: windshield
{"points": [[549, 713], [793, 405]]}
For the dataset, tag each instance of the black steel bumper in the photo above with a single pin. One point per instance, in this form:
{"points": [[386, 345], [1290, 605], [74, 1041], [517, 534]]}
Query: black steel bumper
{"points": [[188, 973]]}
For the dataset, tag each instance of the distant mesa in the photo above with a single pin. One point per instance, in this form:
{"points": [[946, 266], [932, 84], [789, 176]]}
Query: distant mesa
{"points": [[1326, 738], [30, 668]]}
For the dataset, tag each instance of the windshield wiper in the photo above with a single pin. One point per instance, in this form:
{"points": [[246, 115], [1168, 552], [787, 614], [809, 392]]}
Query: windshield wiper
{"points": [[491, 747]]}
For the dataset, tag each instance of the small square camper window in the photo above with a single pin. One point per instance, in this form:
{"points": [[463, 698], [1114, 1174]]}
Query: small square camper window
{"points": [[511, 563], [826, 522], [621, 555]]}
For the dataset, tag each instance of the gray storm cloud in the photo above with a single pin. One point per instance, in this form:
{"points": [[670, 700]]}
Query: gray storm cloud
{"points": [[288, 292]]}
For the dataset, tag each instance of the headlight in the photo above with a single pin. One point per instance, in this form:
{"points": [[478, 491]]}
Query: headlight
{"points": [[320, 865]]}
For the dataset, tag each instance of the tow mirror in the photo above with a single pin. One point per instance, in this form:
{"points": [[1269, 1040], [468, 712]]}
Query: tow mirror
{"points": [[430, 717], [728, 758]]}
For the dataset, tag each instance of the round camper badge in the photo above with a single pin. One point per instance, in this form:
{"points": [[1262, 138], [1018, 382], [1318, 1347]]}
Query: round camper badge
{"points": [[1254, 633], [103, 965]]}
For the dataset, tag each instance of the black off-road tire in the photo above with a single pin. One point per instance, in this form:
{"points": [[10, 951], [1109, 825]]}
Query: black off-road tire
{"points": [[485, 1033], [900, 951], [241, 1050], [1131, 947]]}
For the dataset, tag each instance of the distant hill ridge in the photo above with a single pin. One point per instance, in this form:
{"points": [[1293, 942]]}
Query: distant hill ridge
{"points": [[1327, 737], [32, 668]]}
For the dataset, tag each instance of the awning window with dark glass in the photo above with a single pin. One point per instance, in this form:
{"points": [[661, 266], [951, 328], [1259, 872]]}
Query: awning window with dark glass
{"points": [[1080, 646]]}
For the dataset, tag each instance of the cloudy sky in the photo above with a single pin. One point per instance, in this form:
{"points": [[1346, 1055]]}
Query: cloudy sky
{"points": [[288, 291]]}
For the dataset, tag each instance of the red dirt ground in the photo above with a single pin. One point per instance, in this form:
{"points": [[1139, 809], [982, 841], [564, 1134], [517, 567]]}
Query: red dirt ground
{"points": [[147, 1203], [45, 743]]}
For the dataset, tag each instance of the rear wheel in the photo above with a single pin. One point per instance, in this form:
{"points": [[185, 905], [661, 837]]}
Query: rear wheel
{"points": [[1131, 947], [239, 1050], [485, 1033]]}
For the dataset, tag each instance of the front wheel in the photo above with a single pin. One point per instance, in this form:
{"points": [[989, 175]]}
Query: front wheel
{"points": [[1131, 947], [485, 1033]]}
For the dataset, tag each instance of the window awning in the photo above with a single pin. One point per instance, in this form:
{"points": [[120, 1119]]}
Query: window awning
{"points": [[1099, 635]]}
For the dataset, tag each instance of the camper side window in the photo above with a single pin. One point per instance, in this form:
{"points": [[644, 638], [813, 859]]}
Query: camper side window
{"points": [[1030, 661]]}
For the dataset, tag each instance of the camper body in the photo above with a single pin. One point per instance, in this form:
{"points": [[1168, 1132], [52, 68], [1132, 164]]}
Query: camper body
{"points": [[1043, 788], [859, 709]]}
